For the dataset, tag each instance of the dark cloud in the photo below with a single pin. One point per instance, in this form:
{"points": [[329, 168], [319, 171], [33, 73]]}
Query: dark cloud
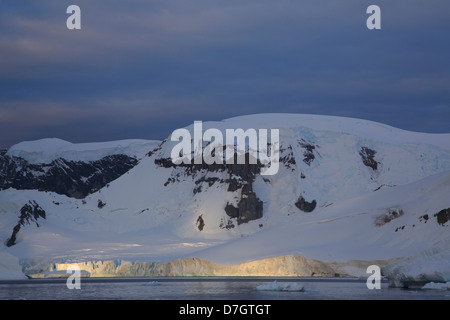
{"points": [[139, 69]]}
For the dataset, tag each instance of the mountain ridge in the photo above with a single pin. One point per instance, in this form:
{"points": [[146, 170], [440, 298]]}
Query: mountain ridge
{"points": [[346, 189]]}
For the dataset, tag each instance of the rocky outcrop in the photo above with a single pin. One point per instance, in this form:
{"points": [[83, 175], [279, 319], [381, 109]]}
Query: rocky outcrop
{"points": [[308, 151], [200, 223], [29, 213], [304, 205], [74, 179], [237, 176], [388, 217], [368, 157], [287, 158], [248, 208], [443, 216]]}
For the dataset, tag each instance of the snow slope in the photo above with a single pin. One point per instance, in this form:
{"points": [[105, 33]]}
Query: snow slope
{"points": [[47, 150], [349, 230], [375, 188], [10, 267]]}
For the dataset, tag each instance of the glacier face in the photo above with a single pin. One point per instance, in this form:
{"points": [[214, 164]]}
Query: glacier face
{"points": [[346, 189], [426, 266]]}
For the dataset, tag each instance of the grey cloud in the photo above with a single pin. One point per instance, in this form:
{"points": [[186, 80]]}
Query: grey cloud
{"points": [[145, 67]]}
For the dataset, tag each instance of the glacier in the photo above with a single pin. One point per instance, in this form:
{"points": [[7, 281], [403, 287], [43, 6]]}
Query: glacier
{"points": [[349, 193], [426, 267]]}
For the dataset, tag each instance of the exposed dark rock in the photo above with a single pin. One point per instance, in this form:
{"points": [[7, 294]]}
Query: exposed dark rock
{"points": [[308, 152], [240, 177], [209, 180], [388, 217], [166, 163], [159, 147], [200, 222], [233, 185], [304, 205], [75, 179], [249, 208], [100, 204], [367, 156], [247, 191], [443, 216], [231, 211], [29, 213], [246, 171], [228, 225], [196, 190], [287, 158]]}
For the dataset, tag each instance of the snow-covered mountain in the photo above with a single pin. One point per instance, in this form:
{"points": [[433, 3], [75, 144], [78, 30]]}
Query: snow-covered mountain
{"points": [[66, 168], [346, 189]]}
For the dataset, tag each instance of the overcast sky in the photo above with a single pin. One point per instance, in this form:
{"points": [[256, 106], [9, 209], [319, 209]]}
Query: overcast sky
{"points": [[140, 69]]}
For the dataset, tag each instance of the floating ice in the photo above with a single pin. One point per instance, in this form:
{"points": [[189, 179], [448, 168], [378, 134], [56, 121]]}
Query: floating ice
{"points": [[275, 286], [153, 283], [436, 286]]}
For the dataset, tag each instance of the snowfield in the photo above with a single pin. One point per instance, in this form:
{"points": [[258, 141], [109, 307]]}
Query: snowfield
{"points": [[348, 193], [47, 150], [10, 267]]}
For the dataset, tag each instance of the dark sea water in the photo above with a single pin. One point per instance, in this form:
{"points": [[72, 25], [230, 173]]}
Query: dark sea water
{"points": [[208, 289]]}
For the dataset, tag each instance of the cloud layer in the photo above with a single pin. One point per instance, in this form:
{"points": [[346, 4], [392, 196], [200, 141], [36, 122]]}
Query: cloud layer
{"points": [[140, 69]]}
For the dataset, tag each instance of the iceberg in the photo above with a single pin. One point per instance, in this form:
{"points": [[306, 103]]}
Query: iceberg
{"points": [[153, 283], [436, 286], [275, 286]]}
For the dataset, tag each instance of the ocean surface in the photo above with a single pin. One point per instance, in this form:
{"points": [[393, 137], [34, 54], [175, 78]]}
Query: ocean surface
{"points": [[210, 288]]}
